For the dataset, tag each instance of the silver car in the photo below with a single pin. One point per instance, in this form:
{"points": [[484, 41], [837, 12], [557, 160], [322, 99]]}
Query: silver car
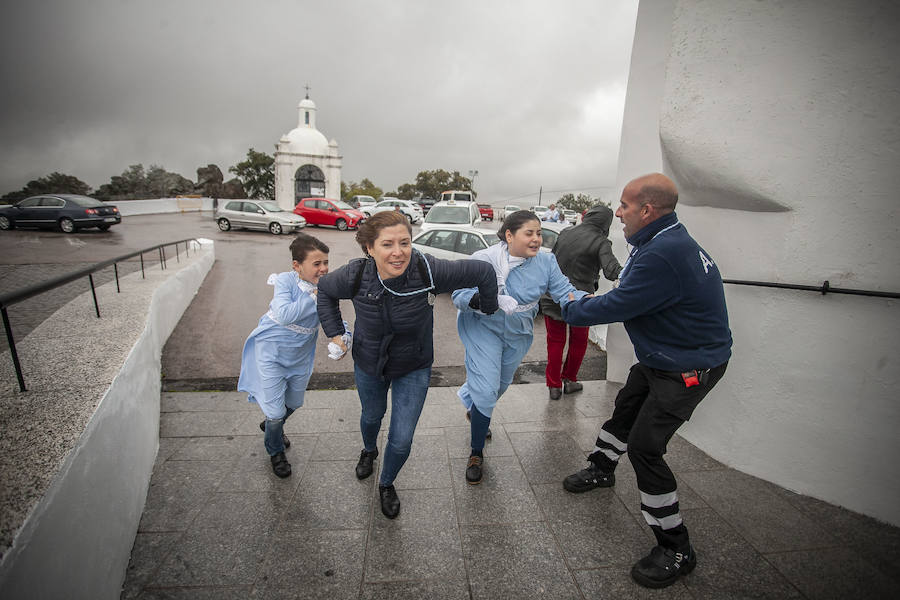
{"points": [[258, 214]]}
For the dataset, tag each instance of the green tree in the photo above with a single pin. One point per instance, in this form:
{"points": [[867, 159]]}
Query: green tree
{"points": [[430, 184], [257, 174], [54, 183], [577, 203], [363, 188]]}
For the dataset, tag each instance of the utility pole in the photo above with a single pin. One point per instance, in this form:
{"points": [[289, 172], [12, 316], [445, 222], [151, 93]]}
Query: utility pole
{"points": [[540, 191]]}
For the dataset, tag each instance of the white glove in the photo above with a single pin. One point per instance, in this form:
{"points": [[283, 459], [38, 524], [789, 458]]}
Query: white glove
{"points": [[335, 352], [508, 304]]}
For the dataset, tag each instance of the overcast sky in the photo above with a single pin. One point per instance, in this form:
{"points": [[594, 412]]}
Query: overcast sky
{"points": [[529, 93]]}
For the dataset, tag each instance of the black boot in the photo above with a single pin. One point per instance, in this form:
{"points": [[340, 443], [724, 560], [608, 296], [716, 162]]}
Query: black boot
{"points": [[390, 503], [365, 467], [474, 469], [663, 566], [280, 465], [570, 387], [588, 479]]}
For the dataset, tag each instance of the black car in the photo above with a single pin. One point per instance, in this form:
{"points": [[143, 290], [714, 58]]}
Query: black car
{"points": [[68, 212]]}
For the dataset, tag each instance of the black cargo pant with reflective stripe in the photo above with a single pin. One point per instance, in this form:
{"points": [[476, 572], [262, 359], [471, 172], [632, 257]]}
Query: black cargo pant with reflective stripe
{"points": [[649, 409]]}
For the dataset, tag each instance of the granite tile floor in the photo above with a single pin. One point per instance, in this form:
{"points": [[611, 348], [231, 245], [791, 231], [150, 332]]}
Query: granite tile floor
{"points": [[218, 524]]}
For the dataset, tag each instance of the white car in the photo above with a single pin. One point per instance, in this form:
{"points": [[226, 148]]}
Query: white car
{"points": [[539, 211], [454, 243], [409, 208], [549, 233], [452, 213], [570, 215]]}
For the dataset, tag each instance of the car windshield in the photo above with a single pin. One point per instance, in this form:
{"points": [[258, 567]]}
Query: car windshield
{"points": [[342, 205], [85, 201], [512, 208], [270, 206], [454, 215], [491, 240]]}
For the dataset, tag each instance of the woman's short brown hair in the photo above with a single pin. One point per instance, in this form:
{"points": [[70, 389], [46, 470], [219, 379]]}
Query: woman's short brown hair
{"points": [[369, 230]]}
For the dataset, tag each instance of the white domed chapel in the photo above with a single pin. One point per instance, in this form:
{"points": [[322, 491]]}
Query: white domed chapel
{"points": [[306, 163]]}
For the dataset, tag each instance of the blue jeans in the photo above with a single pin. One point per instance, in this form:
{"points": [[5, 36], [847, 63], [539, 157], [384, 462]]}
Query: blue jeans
{"points": [[274, 438], [407, 399]]}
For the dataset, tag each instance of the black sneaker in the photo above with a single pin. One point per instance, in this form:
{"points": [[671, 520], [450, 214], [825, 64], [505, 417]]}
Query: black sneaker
{"points": [[390, 503], [365, 467], [287, 442], [469, 418], [280, 465], [555, 393], [473, 470], [570, 387], [588, 479], [663, 566]]}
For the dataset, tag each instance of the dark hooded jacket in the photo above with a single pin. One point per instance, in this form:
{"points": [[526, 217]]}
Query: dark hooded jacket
{"points": [[394, 330], [583, 252]]}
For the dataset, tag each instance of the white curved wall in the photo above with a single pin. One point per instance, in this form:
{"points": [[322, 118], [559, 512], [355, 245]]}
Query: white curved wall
{"points": [[779, 124]]}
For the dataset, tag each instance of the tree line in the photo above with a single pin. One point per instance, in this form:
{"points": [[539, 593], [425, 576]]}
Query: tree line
{"points": [[254, 178]]}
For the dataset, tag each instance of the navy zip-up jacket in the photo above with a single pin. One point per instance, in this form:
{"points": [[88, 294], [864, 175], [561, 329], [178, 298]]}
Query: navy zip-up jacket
{"points": [[670, 298], [394, 332]]}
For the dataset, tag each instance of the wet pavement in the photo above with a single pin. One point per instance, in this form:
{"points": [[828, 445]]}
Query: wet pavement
{"points": [[219, 524]]}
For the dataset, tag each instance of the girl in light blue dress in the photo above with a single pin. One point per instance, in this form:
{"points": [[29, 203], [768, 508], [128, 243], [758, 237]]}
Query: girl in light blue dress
{"points": [[278, 356], [496, 344]]}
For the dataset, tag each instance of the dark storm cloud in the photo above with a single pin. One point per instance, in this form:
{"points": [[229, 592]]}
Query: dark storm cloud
{"points": [[527, 93]]}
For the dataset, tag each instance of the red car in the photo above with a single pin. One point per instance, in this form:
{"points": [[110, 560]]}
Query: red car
{"points": [[326, 211], [487, 213]]}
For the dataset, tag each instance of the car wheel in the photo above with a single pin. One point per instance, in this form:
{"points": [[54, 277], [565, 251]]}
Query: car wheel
{"points": [[341, 224], [275, 228], [409, 218], [224, 224], [6, 223], [103, 227], [67, 225]]}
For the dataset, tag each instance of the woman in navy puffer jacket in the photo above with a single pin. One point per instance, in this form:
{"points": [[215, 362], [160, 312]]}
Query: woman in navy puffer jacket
{"points": [[393, 291]]}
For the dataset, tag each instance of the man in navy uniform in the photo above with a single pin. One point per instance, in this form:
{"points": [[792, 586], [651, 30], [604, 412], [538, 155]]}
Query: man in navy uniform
{"points": [[671, 299]]}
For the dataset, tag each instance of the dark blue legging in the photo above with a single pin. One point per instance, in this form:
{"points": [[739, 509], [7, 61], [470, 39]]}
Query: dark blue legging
{"points": [[480, 425]]}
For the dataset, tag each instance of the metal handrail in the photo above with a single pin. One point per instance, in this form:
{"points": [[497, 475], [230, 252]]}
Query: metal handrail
{"points": [[825, 288], [16, 296]]}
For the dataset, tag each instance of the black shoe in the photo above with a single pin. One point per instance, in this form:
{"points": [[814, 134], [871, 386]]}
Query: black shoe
{"points": [[364, 467], [663, 566], [588, 479], [280, 465], [284, 438], [571, 386], [555, 393], [473, 470], [489, 435], [390, 503]]}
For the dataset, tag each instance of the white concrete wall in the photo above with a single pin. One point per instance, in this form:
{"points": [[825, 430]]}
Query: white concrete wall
{"points": [[163, 205], [779, 124], [76, 543]]}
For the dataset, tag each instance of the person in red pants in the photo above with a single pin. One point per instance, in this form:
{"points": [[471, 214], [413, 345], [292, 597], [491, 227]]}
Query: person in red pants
{"points": [[583, 252]]}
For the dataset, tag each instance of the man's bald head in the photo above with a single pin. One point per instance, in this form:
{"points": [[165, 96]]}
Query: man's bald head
{"points": [[655, 189]]}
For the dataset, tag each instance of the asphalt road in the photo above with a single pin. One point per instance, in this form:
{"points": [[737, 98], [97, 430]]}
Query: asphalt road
{"points": [[204, 351]]}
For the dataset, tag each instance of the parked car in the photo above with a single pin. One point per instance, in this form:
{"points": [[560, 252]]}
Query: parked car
{"points": [[509, 209], [68, 212], [359, 201], [570, 215], [258, 214], [486, 211], [452, 212], [458, 196], [454, 243], [426, 203], [539, 211], [329, 212], [549, 233], [413, 211]]}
